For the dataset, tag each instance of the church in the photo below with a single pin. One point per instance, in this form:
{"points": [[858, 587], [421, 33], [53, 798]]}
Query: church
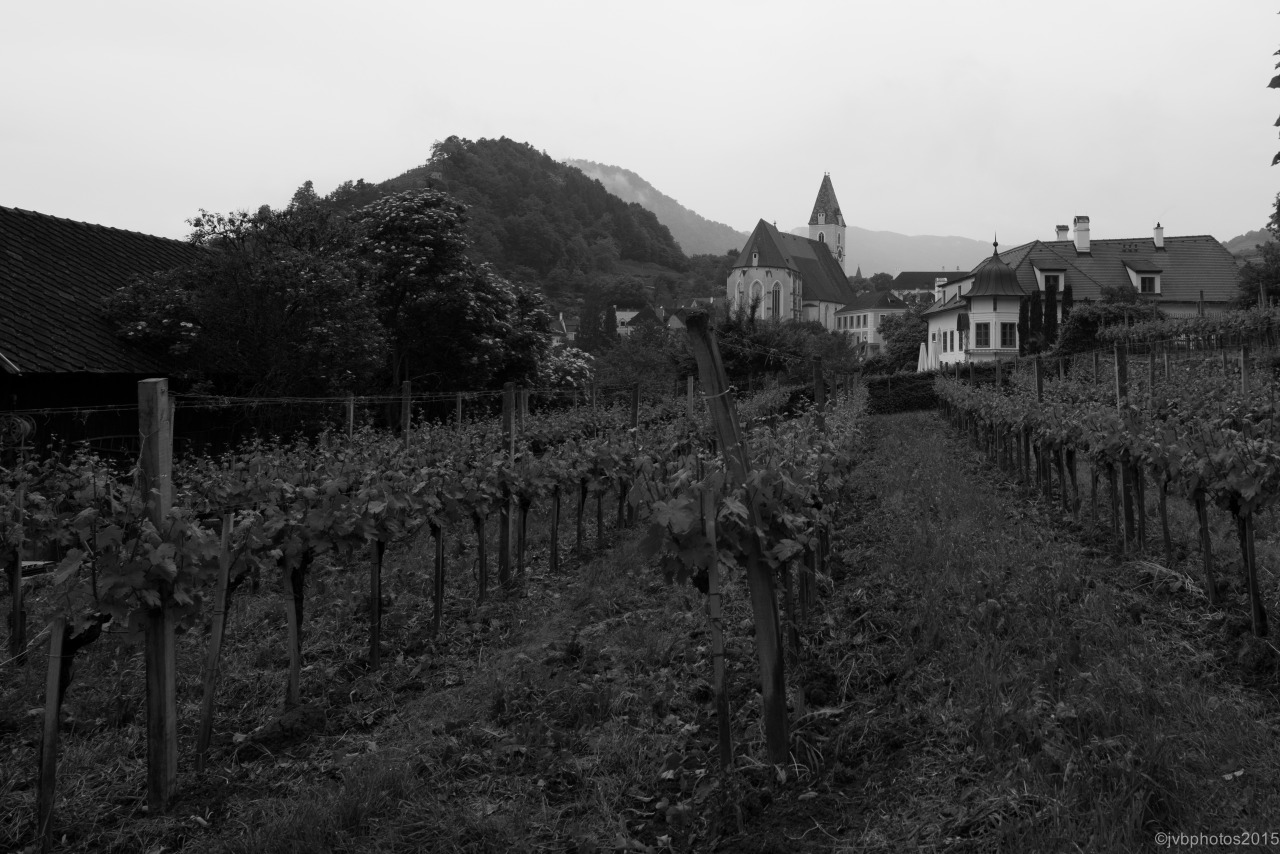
{"points": [[782, 276]]}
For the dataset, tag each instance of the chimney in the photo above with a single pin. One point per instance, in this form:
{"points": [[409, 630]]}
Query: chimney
{"points": [[1158, 235], [1082, 234], [1062, 232]]}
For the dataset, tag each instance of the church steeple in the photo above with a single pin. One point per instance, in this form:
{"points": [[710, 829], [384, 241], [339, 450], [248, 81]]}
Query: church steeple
{"points": [[826, 223]]}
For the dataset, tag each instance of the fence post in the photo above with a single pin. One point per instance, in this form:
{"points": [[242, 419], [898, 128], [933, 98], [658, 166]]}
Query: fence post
{"points": [[13, 566], [1039, 375], [764, 603], [156, 482], [1244, 368], [351, 415], [689, 397], [457, 407], [406, 390], [504, 509], [819, 392]]}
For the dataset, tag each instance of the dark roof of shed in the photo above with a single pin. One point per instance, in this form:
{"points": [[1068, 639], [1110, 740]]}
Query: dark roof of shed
{"points": [[54, 276], [824, 279]]}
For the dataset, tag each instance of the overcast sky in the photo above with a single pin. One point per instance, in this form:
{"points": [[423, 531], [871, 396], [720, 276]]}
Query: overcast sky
{"points": [[932, 116]]}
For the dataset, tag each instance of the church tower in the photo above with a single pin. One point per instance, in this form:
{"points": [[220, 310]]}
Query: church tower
{"points": [[826, 223]]}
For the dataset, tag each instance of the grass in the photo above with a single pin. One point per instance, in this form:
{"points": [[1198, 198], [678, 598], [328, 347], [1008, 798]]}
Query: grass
{"points": [[981, 675]]}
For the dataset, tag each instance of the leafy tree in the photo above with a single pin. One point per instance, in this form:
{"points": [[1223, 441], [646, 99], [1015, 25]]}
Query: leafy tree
{"points": [[1261, 277], [903, 334], [881, 282], [274, 307], [566, 367], [451, 323]]}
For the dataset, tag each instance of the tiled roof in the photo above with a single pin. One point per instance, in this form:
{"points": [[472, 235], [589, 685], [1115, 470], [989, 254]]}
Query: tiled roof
{"points": [[916, 280], [875, 301], [955, 302], [54, 275], [1187, 265], [826, 203], [823, 278]]}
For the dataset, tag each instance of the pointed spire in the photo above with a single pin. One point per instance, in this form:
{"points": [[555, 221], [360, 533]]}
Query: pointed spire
{"points": [[995, 243], [826, 204]]}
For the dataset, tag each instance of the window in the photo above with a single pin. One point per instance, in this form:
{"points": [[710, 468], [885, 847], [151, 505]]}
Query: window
{"points": [[776, 308], [1051, 281], [755, 258], [1147, 284], [945, 348], [822, 238], [1008, 336], [981, 335]]}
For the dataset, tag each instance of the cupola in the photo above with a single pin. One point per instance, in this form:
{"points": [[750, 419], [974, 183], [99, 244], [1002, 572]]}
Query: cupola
{"points": [[995, 278]]}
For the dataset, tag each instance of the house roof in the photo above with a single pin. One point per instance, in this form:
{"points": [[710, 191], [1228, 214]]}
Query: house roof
{"points": [[826, 203], [954, 302], [1187, 266], [875, 301], [822, 277], [919, 280], [995, 278], [54, 275]]}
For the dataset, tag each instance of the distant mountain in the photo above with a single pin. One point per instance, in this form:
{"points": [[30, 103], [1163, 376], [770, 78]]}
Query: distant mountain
{"points": [[1246, 245], [696, 234], [890, 252]]}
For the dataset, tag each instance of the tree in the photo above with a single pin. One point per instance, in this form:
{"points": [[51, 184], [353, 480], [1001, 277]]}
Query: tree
{"points": [[1024, 326], [903, 334], [1261, 277], [1035, 323], [274, 307], [1050, 325], [881, 281], [1068, 301], [451, 324]]}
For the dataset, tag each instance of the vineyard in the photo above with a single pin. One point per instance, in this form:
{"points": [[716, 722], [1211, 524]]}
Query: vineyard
{"points": [[1186, 407], [102, 555]]}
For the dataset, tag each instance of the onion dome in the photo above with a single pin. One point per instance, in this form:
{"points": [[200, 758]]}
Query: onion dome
{"points": [[995, 278]]}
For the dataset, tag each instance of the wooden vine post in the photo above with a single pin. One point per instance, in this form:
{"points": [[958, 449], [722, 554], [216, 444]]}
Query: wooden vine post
{"points": [[819, 394], [351, 416], [49, 740], [406, 398], [504, 508], [1127, 487], [457, 410], [689, 410], [13, 570], [205, 734], [1244, 368], [437, 588], [725, 737], [160, 653], [764, 606]]}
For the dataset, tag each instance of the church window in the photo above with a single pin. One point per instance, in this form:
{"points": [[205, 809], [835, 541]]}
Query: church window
{"points": [[755, 258], [776, 309], [822, 238]]}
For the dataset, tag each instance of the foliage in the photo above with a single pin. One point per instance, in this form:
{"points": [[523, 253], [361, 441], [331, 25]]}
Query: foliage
{"points": [[903, 334], [753, 346], [880, 281], [566, 367], [1261, 276], [1079, 332], [452, 324], [900, 392], [274, 307], [1050, 325]]}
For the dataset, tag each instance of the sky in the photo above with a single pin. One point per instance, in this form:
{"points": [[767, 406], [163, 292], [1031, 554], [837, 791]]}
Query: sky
{"points": [[932, 116]]}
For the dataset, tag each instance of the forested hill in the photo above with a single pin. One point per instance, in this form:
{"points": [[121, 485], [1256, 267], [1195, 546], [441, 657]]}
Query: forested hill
{"points": [[530, 213], [695, 233]]}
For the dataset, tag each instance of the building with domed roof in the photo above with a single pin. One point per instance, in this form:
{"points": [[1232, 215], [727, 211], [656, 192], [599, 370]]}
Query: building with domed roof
{"points": [[975, 317]]}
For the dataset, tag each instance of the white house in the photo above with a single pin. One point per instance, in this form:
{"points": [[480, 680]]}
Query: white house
{"points": [[861, 319], [975, 318]]}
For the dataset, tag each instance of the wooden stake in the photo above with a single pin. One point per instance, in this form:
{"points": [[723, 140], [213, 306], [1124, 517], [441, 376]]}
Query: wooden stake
{"points": [[1206, 547], [220, 597], [721, 695], [554, 561], [689, 399], [457, 410], [375, 605], [437, 588], [159, 652], [1257, 610], [482, 557], [764, 606], [351, 416], [406, 400], [13, 570], [49, 741]]}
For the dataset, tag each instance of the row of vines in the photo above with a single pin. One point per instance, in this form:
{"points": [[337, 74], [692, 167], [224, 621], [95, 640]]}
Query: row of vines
{"points": [[1167, 409], [127, 547]]}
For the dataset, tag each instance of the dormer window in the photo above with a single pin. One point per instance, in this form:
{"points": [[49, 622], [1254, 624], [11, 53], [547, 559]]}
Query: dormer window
{"points": [[1144, 276], [822, 218], [1149, 284]]}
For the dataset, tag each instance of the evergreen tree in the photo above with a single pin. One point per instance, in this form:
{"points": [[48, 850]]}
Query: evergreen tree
{"points": [[1035, 321], [1050, 314], [1024, 325], [1068, 300]]}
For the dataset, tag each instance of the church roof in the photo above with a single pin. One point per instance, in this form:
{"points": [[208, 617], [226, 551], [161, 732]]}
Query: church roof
{"points": [[826, 203], [824, 279]]}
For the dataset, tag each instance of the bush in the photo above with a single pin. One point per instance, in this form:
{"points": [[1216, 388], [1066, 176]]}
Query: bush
{"points": [[900, 392]]}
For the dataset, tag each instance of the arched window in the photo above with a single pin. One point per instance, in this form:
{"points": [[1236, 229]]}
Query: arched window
{"points": [[822, 238], [776, 308], [757, 295]]}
